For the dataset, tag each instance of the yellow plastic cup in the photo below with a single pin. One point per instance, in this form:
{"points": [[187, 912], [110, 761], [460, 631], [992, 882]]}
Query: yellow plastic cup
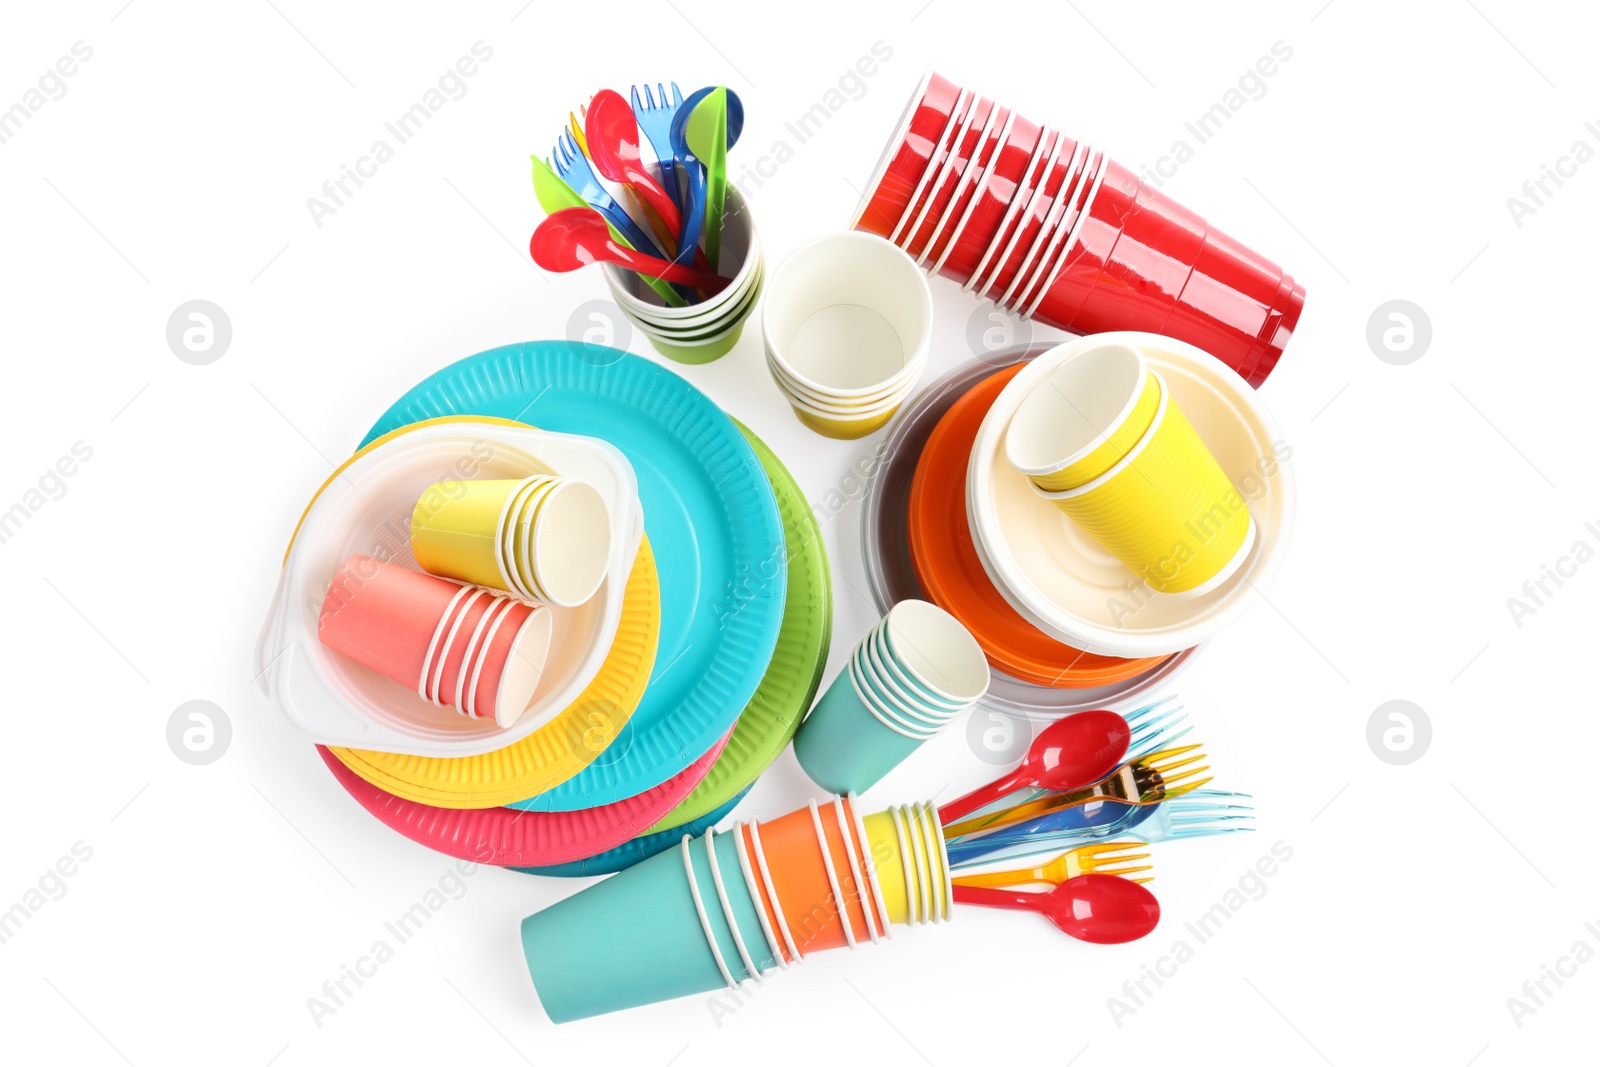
{"points": [[1166, 509], [455, 529], [1083, 417]]}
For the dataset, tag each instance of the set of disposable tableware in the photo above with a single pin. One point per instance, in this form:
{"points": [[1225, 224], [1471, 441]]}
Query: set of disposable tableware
{"points": [[644, 190], [560, 611]]}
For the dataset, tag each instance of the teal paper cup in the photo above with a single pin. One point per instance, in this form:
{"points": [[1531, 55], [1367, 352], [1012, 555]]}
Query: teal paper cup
{"points": [[844, 746], [633, 939]]}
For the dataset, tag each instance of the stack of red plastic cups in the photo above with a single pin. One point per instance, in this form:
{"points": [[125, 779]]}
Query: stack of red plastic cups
{"points": [[1055, 230]]}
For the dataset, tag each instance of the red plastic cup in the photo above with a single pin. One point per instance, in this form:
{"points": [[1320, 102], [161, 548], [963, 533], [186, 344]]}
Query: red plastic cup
{"points": [[1069, 191], [996, 128], [933, 209], [1144, 262], [1005, 187], [907, 155], [1038, 192], [992, 191], [1120, 256]]}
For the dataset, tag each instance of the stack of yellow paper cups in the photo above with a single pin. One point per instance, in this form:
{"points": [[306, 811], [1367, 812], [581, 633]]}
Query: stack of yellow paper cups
{"points": [[1101, 438], [544, 538]]}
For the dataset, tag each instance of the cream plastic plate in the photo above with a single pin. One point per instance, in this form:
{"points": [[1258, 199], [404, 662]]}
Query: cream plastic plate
{"points": [[1062, 581]]}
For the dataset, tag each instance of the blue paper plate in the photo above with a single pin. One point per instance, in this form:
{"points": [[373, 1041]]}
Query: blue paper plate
{"points": [[640, 848], [712, 521]]}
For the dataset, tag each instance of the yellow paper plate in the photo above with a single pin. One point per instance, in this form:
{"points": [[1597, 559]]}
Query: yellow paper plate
{"points": [[559, 749]]}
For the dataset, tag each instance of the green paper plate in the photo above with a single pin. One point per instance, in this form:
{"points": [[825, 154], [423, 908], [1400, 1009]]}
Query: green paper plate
{"points": [[769, 721]]}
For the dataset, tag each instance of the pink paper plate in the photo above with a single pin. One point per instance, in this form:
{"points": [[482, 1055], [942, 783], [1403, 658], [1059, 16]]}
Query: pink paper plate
{"points": [[506, 837]]}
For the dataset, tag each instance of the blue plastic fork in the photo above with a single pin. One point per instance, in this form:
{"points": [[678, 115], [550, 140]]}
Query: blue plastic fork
{"points": [[573, 167], [1202, 813], [654, 114]]}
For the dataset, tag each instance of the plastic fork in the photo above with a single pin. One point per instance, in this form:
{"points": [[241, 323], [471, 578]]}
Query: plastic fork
{"points": [[1110, 857], [654, 114], [575, 124], [1201, 813], [1149, 779], [1155, 726], [573, 167]]}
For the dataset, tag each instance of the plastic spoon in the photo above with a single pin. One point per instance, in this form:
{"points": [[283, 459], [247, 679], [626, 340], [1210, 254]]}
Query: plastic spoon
{"points": [[691, 168], [614, 138], [578, 236], [1068, 754], [707, 135], [555, 194], [1099, 908]]}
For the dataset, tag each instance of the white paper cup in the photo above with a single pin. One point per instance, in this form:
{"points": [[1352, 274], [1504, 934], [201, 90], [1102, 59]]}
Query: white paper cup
{"points": [[848, 317]]}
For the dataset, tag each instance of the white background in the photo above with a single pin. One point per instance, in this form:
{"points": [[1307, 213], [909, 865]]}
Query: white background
{"points": [[1376, 166]]}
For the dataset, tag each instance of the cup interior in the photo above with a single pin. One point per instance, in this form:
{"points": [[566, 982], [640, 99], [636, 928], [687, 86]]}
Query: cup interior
{"points": [[570, 543], [740, 255], [937, 650], [1075, 408], [901, 681], [848, 315]]}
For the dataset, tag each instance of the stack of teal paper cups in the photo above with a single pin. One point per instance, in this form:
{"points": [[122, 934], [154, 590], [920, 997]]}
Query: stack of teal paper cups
{"points": [[913, 674]]}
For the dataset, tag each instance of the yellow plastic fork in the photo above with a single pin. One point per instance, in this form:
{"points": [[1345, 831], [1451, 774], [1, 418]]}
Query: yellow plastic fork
{"points": [[1147, 780], [1100, 858]]}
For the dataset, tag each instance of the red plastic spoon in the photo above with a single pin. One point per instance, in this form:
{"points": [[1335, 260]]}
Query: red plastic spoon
{"points": [[1101, 908], [578, 236], [613, 136], [1068, 754]]}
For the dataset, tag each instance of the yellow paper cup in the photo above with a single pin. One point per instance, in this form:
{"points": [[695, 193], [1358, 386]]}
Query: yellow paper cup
{"points": [[1166, 509], [1084, 417], [561, 542], [455, 529]]}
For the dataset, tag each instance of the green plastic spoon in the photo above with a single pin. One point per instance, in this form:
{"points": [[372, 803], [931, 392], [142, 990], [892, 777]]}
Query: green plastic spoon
{"points": [[707, 135], [555, 194]]}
